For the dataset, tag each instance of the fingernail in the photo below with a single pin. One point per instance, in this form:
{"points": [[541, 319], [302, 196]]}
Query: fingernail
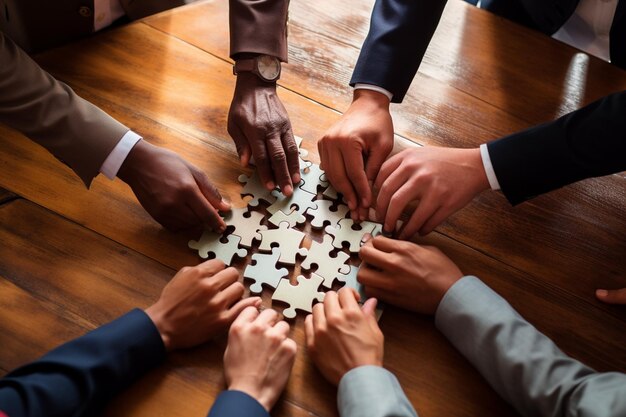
{"points": [[287, 190], [296, 177], [270, 184], [258, 302], [602, 293], [225, 203]]}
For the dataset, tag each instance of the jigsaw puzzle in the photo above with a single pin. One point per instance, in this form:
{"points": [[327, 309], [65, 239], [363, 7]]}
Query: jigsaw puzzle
{"points": [[254, 188], [323, 214], [210, 242], [246, 227], [328, 267], [264, 271], [299, 297], [344, 233], [288, 241], [279, 242]]}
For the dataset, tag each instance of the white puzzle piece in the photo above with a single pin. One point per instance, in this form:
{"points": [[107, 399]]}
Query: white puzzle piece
{"points": [[245, 227], [343, 232], [299, 297], [323, 214], [288, 241], [292, 218], [210, 242], [328, 267], [312, 179], [256, 189], [300, 199], [264, 271]]}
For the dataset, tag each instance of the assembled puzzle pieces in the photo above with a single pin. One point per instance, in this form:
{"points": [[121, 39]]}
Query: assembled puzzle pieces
{"points": [[323, 214], [299, 296], [328, 267], [245, 227], [287, 239], [256, 189], [264, 271], [312, 178], [345, 233], [210, 242], [301, 199], [292, 218]]}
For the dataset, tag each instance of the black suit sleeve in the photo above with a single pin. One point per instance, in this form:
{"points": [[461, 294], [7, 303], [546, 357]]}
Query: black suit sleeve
{"points": [[78, 378], [590, 142], [400, 31], [237, 403]]}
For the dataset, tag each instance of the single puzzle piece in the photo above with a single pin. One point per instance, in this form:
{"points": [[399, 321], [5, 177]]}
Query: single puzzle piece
{"points": [[264, 271], [377, 228], [312, 179], [254, 188], [345, 233], [328, 268], [301, 151], [300, 198], [351, 282], [299, 296], [245, 227], [323, 213], [292, 218], [210, 242], [288, 241]]}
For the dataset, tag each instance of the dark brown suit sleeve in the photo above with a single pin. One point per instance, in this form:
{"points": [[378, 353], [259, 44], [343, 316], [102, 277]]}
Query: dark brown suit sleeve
{"points": [[47, 111], [259, 26]]}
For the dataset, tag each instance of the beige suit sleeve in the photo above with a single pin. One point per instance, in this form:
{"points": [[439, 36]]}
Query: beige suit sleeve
{"points": [[47, 111], [259, 26]]}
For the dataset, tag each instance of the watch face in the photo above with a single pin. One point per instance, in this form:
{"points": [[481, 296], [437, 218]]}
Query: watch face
{"points": [[269, 67]]}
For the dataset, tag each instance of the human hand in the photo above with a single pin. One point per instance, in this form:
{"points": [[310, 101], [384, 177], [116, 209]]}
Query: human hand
{"points": [[612, 296], [405, 274], [259, 356], [443, 180], [198, 303], [341, 336], [353, 150], [260, 127], [175, 193]]}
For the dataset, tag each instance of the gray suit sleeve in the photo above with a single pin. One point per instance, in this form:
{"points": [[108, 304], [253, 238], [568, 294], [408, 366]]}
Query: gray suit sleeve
{"points": [[372, 391], [47, 111], [525, 367]]}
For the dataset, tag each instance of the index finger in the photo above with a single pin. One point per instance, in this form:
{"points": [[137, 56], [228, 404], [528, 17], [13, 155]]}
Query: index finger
{"points": [[248, 315]]}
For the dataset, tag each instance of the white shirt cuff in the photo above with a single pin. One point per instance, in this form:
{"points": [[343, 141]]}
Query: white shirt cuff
{"points": [[118, 155], [361, 86], [491, 174]]}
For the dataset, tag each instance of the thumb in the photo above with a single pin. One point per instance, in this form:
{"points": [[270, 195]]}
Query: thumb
{"points": [[612, 296], [369, 307], [241, 143], [234, 311]]}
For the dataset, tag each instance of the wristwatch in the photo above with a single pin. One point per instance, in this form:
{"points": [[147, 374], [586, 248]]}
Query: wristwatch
{"points": [[266, 67]]}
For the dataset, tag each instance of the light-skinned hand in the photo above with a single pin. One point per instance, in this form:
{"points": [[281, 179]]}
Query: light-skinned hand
{"points": [[440, 180], [199, 303], [341, 335], [612, 296], [174, 192], [259, 356], [405, 274], [260, 127], [353, 149]]}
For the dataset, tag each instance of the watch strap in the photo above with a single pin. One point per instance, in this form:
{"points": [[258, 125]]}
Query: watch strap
{"points": [[245, 65]]}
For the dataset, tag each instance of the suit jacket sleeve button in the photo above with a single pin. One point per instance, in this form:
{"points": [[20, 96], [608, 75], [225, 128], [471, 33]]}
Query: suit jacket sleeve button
{"points": [[84, 11]]}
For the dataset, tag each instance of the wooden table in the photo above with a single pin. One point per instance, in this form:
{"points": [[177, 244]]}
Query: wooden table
{"points": [[72, 259]]}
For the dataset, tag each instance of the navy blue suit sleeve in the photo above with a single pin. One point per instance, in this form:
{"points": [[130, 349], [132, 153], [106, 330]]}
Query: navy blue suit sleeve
{"points": [[237, 403], [400, 31], [79, 377], [590, 142]]}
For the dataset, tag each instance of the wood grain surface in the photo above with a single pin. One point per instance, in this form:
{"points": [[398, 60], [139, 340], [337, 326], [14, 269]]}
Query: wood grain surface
{"points": [[72, 259]]}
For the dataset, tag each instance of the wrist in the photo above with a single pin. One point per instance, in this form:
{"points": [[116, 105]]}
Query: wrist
{"points": [[134, 158], [248, 81], [481, 181], [159, 322], [370, 98], [252, 389]]}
